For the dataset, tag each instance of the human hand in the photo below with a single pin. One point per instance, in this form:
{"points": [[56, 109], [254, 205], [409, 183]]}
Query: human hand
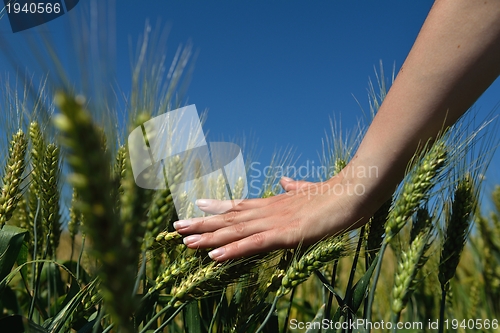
{"points": [[304, 214], [437, 83]]}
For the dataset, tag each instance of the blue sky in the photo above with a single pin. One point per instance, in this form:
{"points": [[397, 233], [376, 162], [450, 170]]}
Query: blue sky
{"points": [[272, 71]]}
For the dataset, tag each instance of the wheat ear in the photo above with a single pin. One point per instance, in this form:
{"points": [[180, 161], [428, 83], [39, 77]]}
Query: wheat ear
{"points": [[319, 255], [50, 197], [37, 154], [415, 189], [14, 169], [457, 230], [91, 177], [411, 261]]}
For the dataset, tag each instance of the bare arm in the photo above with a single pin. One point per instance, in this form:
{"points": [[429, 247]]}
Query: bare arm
{"points": [[454, 59]]}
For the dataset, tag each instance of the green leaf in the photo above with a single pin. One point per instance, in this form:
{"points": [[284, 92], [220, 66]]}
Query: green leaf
{"points": [[209, 308], [359, 290], [11, 241], [72, 292], [22, 258], [330, 288], [51, 274], [358, 293], [147, 307], [8, 301], [337, 315], [59, 321], [72, 266], [192, 318], [89, 327]]}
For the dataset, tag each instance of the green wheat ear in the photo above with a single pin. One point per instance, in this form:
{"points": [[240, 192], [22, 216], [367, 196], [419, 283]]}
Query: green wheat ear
{"points": [[75, 218], [414, 192], [37, 153], [411, 261], [375, 230], [415, 189], [319, 255], [91, 178], [50, 197], [14, 169], [119, 170], [457, 228], [208, 278], [20, 216]]}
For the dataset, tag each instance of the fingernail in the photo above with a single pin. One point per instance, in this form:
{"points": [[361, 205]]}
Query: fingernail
{"points": [[182, 224], [287, 179], [191, 239], [203, 202], [214, 254]]}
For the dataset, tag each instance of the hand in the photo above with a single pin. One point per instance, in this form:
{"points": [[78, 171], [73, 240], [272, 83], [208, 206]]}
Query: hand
{"points": [[304, 214], [439, 80]]}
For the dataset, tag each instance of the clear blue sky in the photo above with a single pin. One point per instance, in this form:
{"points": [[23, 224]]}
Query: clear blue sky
{"points": [[273, 71]]}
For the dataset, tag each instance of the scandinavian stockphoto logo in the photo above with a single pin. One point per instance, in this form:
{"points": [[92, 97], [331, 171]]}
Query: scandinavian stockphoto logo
{"points": [[26, 14], [170, 150]]}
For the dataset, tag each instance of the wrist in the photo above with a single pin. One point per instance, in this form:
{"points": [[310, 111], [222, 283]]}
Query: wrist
{"points": [[367, 186]]}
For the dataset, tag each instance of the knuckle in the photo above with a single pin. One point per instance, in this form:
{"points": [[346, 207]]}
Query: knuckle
{"points": [[239, 227], [229, 217], [206, 238], [258, 239], [201, 223]]}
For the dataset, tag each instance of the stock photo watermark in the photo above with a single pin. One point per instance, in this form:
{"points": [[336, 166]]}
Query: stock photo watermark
{"points": [[27, 14], [309, 170], [359, 325]]}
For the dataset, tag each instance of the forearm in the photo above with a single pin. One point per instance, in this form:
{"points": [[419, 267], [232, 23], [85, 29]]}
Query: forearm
{"points": [[455, 58]]}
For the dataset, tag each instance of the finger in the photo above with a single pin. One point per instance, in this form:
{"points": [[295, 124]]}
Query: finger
{"points": [[226, 235], [261, 242], [212, 206], [215, 222], [289, 184]]}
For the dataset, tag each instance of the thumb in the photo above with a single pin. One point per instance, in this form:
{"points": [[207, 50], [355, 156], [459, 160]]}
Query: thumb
{"points": [[290, 184]]}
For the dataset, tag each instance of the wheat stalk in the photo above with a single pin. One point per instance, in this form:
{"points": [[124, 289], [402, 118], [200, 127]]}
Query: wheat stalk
{"points": [[457, 231], [50, 197], [238, 189], [319, 255], [415, 189], [14, 169], [411, 261], [490, 251], [161, 212], [75, 219], [37, 154], [119, 169], [20, 216], [457, 228], [375, 232], [174, 271], [91, 177], [220, 191]]}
